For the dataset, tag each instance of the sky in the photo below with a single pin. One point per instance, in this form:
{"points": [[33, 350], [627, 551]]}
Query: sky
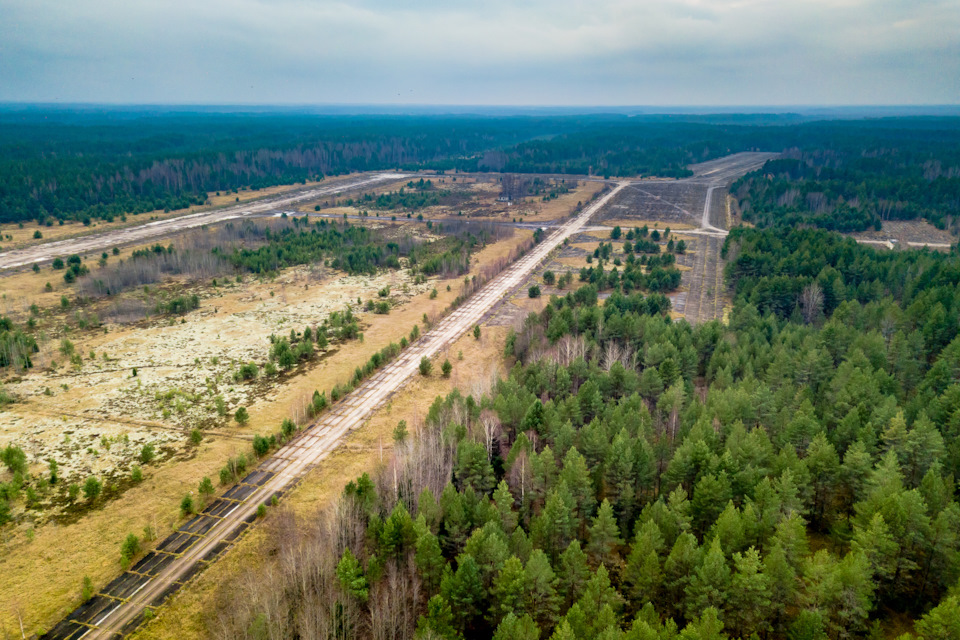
{"points": [[481, 52]]}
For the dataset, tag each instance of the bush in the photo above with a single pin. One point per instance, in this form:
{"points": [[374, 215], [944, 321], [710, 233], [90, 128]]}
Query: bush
{"points": [[206, 487], [241, 416], [533, 292], [196, 437], [86, 592], [446, 368], [15, 459], [147, 453], [261, 445], [92, 488], [425, 366], [248, 371], [186, 505], [66, 347], [400, 432], [262, 511], [136, 474], [129, 548], [476, 331], [287, 427]]}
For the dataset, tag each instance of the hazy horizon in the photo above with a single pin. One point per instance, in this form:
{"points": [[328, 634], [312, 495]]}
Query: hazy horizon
{"points": [[664, 53]]}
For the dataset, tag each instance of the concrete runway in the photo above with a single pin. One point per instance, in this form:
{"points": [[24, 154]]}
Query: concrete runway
{"points": [[97, 242], [118, 609]]}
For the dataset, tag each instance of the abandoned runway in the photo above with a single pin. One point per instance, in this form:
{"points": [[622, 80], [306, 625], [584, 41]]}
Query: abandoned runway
{"points": [[120, 606]]}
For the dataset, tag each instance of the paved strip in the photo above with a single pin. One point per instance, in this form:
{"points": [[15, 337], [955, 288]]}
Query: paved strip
{"points": [[152, 230], [204, 537]]}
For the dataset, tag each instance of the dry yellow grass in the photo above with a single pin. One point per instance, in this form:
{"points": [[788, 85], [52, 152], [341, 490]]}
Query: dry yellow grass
{"points": [[185, 615], [631, 223], [20, 289], [43, 575], [533, 209]]}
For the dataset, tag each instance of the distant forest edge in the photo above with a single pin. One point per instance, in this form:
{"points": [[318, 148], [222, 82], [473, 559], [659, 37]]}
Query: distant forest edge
{"points": [[63, 165], [857, 183]]}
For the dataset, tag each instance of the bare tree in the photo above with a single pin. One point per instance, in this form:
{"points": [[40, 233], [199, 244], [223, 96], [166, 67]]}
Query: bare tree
{"points": [[811, 302]]}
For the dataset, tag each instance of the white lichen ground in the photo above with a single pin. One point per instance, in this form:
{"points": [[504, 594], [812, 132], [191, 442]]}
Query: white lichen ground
{"points": [[99, 421]]}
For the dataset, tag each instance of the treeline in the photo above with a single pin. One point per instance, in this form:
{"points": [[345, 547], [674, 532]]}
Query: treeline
{"points": [[857, 184], [637, 478], [71, 165], [59, 164], [807, 274]]}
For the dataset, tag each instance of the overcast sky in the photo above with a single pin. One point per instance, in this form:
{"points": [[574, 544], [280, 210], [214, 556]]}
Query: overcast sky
{"points": [[482, 52]]}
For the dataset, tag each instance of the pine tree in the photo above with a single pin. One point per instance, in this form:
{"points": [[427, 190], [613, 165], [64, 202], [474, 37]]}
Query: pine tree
{"points": [[455, 522], [599, 593], [430, 561], [553, 528], [729, 529], [710, 497], [507, 593], [881, 550], [438, 619], [642, 575], [678, 568], [604, 536], [748, 603], [710, 584], [782, 581], [534, 419], [824, 466], [942, 622], [563, 632], [576, 475], [707, 626], [463, 589], [351, 577], [574, 573], [514, 628], [540, 584], [504, 501], [473, 466]]}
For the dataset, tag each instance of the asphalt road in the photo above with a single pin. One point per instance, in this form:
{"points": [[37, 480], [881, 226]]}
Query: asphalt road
{"points": [[97, 242], [119, 608]]}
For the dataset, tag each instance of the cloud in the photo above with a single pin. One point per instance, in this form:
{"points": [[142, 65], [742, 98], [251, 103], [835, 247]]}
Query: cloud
{"points": [[666, 52]]}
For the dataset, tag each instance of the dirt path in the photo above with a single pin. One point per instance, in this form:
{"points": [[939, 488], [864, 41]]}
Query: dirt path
{"points": [[120, 607]]}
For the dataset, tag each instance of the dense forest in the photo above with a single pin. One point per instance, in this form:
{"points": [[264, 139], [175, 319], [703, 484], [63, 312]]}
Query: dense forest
{"points": [[79, 165], [789, 474], [858, 181]]}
